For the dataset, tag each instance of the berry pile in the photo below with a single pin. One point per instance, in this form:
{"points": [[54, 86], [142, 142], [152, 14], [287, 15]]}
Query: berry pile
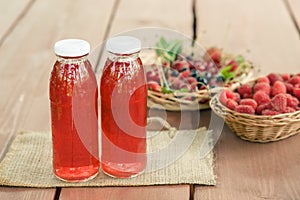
{"points": [[190, 74], [271, 95]]}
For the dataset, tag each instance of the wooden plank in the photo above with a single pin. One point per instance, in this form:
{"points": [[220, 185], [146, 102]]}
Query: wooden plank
{"points": [[32, 44], [176, 15], [29, 58], [144, 14], [254, 171], [132, 193], [26, 193], [294, 7], [11, 14], [262, 31]]}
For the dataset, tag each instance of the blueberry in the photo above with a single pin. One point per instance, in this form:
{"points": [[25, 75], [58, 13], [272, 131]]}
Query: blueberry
{"points": [[201, 81], [174, 73], [182, 70], [189, 58], [194, 73], [207, 75], [220, 78]]}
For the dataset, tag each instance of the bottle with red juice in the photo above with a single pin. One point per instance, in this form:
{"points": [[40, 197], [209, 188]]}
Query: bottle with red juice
{"points": [[123, 94], [74, 113]]}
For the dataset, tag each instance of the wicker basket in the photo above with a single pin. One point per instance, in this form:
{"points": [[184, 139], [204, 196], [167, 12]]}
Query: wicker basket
{"points": [[177, 101], [258, 128], [180, 100]]}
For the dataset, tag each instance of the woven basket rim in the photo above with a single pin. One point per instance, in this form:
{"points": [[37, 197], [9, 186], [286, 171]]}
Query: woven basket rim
{"points": [[200, 95], [254, 116], [258, 128], [203, 96]]}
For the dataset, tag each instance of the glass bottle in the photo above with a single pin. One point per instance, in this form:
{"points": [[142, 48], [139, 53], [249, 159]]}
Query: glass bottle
{"points": [[123, 94], [74, 113]]}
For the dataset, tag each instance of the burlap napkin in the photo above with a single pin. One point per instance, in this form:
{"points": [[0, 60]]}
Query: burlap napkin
{"points": [[28, 163]]}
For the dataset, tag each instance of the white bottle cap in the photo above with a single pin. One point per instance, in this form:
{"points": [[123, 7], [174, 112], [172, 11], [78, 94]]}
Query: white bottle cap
{"points": [[123, 45], [72, 48]]}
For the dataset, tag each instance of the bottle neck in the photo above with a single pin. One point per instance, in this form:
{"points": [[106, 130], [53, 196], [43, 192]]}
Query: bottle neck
{"points": [[123, 57], [71, 60]]}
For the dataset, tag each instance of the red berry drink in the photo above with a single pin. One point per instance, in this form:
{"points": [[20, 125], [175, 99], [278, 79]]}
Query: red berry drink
{"points": [[123, 109], [74, 113]]}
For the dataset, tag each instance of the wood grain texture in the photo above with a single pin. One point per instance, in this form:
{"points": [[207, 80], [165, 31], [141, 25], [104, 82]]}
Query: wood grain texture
{"points": [[132, 193], [29, 58], [294, 6], [255, 171], [11, 14], [127, 16], [7, 193], [132, 14], [262, 31]]}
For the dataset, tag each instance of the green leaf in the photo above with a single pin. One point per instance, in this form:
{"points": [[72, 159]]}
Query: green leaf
{"points": [[166, 90], [164, 44], [240, 59], [168, 50], [168, 56], [226, 73], [226, 69], [184, 90], [230, 75], [177, 48]]}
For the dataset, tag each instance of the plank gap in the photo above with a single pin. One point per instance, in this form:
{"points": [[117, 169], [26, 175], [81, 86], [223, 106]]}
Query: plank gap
{"points": [[292, 15], [16, 21], [192, 192], [107, 30], [57, 193], [194, 13]]}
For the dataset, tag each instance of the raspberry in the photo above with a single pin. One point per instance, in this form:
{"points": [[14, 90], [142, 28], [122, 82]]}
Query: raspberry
{"points": [[279, 102], [296, 92], [237, 97], [294, 80], [215, 54], [185, 74], [289, 88], [245, 89], [249, 102], [263, 79], [269, 112], [289, 110], [247, 96], [278, 88], [291, 101], [234, 65], [154, 86], [285, 77], [245, 109], [231, 104], [262, 87], [225, 95], [274, 77], [230, 94], [260, 108], [261, 97]]}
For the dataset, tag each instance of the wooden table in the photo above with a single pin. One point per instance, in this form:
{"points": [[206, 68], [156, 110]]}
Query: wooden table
{"points": [[265, 31]]}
